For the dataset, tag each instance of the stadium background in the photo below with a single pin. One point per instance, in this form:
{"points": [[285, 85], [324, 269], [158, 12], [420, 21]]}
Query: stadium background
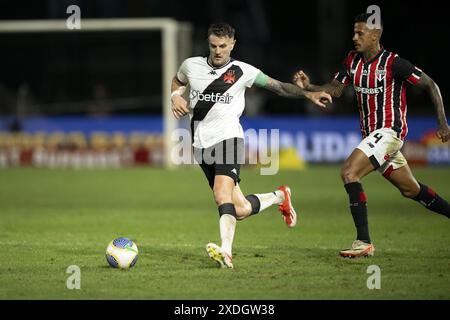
{"points": [[94, 101], [90, 91]]}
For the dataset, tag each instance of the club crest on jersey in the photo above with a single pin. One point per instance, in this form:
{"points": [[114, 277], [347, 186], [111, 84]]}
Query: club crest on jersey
{"points": [[380, 74], [229, 77]]}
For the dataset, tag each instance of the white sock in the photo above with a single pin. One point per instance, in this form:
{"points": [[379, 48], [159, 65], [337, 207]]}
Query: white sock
{"points": [[227, 226], [268, 199]]}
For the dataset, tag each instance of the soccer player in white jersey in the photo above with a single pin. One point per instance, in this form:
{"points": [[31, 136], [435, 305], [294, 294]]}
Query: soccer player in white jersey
{"points": [[217, 87]]}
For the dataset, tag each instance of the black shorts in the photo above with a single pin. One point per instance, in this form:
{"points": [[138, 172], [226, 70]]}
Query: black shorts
{"points": [[224, 158]]}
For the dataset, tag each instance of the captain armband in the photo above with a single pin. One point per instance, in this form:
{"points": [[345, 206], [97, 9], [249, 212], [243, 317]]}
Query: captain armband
{"points": [[261, 79]]}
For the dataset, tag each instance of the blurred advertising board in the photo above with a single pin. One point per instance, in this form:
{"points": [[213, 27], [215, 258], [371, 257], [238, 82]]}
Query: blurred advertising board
{"points": [[127, 141]]}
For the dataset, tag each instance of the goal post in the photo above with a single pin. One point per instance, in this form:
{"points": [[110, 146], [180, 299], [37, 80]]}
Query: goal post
{"points": [[176, 38]]}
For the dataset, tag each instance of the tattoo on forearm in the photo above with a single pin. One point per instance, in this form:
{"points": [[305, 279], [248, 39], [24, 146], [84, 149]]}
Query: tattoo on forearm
{"points": [[274, 85], [335, 88], [284, 89]]}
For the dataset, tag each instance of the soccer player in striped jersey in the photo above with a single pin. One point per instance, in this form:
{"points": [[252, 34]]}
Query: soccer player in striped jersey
{"points": [[379, 78], [217, 88]]}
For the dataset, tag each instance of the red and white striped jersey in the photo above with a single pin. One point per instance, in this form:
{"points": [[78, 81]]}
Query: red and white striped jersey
{"points": [[380, 89]]}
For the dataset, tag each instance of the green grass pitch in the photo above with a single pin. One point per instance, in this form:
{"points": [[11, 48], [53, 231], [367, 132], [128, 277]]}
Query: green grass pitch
{"points": [[51, 219]]}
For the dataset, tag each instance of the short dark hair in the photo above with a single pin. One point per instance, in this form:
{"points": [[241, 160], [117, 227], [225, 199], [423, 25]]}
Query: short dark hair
{"points": [[363, 17], [221, 30]]}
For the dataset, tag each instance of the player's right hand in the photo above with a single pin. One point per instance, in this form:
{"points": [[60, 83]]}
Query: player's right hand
{"points": [[179, 106], [301, 80]]}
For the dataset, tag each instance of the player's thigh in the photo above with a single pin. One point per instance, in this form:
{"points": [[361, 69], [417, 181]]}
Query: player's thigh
{"points": [[228, 164], [221, 185], [223, 189], [356, 166], [225, 180]]}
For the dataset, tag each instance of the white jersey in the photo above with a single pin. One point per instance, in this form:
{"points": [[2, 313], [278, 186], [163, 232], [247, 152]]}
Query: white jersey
{"points": [[216, 98]]}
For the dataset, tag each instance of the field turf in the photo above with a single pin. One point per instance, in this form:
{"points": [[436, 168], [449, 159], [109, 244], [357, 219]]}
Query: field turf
{"points": [[51, 219]]}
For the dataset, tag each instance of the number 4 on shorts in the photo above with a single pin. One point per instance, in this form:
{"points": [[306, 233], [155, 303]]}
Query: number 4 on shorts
{"points": [[377, 137]]}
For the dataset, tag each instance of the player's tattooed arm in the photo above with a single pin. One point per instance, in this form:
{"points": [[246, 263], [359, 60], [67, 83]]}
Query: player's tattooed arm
{"points": [[334, 88], [426, 83], [284, 89], [291, 91]]}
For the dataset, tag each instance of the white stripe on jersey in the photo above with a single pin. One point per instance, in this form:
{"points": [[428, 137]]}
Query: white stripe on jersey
{"points": [[376, 96], [359, 97], [384, 91], [392, 97]]}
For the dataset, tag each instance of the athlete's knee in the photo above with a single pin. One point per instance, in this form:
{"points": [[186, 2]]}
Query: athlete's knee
{"points": [[222, 195], [348, 174]]}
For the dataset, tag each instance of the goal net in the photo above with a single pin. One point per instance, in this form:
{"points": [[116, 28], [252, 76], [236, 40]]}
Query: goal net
{"points": [[57, 71]]}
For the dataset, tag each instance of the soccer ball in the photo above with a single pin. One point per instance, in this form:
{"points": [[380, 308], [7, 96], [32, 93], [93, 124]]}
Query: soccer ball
{"points": [[122, 253]]}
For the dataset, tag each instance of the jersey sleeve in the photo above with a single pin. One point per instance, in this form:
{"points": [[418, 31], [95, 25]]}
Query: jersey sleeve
{"points": [[251, 74], [404, 70], [343, 75], [182, 72]]}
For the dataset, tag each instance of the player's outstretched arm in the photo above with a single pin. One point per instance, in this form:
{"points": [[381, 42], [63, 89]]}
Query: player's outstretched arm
{"points": [[334, 88], [179, 104], [425, 82], [291, 91]]}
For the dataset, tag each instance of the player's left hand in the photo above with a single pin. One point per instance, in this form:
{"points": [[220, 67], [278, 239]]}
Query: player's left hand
{"points": [[320, 98], [443, 132]]}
